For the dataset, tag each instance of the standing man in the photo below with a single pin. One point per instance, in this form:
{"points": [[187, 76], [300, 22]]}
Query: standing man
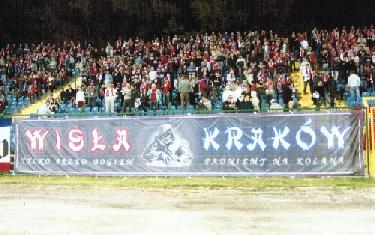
{"points": [[184, 88], [306, 71], [91, 94], [107, 78], [80, 98], [154, 96], [110, 96], [167, 86], [354, 81], [127, 93]]}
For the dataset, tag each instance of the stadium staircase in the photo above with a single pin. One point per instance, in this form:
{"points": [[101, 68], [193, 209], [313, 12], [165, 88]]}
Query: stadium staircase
{"points": [[305, 100], [33, 108]]}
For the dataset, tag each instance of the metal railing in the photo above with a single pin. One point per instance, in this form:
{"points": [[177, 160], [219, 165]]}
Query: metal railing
{"points": [[171, 112]]}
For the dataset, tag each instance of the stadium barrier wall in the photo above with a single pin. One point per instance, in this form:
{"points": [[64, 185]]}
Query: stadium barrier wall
{"points": [[370, 135], [316, 143], [5, 125]]}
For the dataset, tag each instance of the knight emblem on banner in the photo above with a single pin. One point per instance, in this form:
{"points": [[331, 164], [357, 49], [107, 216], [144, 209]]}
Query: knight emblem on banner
{"points": [[168, 149]]}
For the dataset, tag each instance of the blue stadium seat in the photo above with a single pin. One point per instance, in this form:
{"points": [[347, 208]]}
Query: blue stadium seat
{"points": [[190, 108], [366, 94], [95, 110], [179, 112], [218, 106], [350, 99], [351, 103], [12, 109], [160, 112], [27, 100], [87, 109], [371, 102], [72, 110], [20, 103], [151, 112]]}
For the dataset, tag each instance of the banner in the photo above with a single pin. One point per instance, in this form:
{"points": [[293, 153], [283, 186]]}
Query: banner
{"points": [[224, 144], [5, 124]]}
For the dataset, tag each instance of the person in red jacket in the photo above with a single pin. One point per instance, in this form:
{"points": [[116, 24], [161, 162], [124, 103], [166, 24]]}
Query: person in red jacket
{"points": [[166, 88], [205, 85]]}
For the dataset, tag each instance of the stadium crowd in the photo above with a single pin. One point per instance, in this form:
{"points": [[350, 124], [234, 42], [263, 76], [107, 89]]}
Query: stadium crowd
{"points": [[237, 70], [28, 72]]}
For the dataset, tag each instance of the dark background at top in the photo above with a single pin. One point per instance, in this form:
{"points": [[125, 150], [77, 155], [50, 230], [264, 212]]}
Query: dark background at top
{"points": [[100, 20]]}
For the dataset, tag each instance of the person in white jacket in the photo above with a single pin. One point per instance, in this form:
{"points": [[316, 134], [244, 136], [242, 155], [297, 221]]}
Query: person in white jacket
{"points": [[80, 98], [110, 94], [354, 83]]}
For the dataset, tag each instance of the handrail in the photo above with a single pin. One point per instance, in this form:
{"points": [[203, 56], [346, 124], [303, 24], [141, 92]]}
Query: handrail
{"points": [[5, 111], [175, 112]]}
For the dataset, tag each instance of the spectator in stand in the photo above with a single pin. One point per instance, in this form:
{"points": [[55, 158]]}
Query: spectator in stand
{"points": [[260, 57], [205, 103], [255, 100], [108, 78], [167, 87], [110, 96], [154, 96], [90, 94], [319, 91], [44, 110], [330, 88], [306, 71], [127, 93], [205, 85], [245, 102], [80, 98], [287, 94], [230, 103], [3, 100], [231, 77], [184, 88], [109, 50], [354, 82], [191, 69], [274, 106], [216, 85]]}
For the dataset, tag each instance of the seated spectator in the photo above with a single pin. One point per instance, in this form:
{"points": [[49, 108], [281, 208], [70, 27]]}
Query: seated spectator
{"points": [[255, 100], [231, 77], [230, 103], [275, 106], [245, 103], [3, 100], [44, 110], [205, 103], [138, 104]]}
